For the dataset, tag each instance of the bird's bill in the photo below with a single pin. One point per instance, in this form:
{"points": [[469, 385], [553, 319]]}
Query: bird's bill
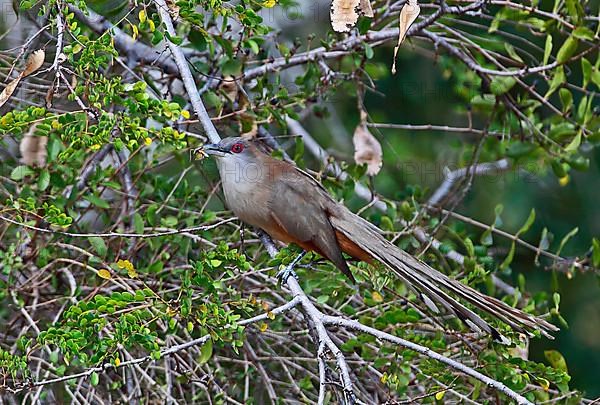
{"points": [[208, 149]]}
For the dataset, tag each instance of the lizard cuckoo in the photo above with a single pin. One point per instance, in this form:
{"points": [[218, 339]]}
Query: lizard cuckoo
{"points": [[292, 207]]}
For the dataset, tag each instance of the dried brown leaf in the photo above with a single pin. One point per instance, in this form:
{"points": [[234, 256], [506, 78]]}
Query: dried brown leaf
{"points": [[367, 149], [408, 15], [33, 63], [33, 148], [173, 9], [344, 14], [9, 90], [230, 88], [366, 9]]}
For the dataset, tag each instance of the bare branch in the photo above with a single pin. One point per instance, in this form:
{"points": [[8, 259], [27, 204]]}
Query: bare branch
{"points": [[119, 234], [186, 75]]}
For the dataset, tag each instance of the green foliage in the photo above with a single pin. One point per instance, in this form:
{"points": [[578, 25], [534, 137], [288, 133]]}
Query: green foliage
{"points": [[12, 366]]}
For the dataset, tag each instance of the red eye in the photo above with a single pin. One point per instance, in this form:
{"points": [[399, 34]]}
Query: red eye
{"points": [[237, 148]]}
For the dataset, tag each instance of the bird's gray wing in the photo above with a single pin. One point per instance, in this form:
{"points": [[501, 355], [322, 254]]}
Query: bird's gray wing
{"points": [[298, 206]]}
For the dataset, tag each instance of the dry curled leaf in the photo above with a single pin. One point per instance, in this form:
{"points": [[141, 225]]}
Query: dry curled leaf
{"points": [[33, 63], [366, 9], [367, 149], [408, 15], [230, 88], [344, 14], [33, 148], [173, 9]]}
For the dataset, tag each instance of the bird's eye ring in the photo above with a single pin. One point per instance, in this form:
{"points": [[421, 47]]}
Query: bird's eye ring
{"points": [[237, 147]]}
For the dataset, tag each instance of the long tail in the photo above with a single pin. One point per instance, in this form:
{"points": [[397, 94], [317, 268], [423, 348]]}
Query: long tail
{"points": [[433, 286]]}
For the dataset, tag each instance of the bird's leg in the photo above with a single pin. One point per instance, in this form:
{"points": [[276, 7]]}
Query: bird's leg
{"points": [[288, 270]]}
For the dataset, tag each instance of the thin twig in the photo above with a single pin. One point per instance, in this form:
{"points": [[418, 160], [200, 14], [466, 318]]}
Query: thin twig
{"points": [[119, 234]]}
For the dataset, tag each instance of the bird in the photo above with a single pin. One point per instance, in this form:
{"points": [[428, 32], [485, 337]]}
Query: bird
{"points": [[293, 207]]}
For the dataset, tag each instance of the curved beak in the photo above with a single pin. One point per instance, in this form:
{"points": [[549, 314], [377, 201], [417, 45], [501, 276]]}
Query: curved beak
{"points": [[208, 149]]}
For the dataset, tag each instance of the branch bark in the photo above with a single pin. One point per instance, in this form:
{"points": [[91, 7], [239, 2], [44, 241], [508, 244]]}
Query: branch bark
{"points": [[186, 75]]}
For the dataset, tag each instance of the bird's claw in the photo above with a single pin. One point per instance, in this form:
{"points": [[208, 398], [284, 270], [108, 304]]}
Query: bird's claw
{"points": [[285, 273], [288, 270]]}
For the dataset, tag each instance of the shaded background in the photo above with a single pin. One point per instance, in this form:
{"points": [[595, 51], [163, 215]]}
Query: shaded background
{"points": [[422, 93]]}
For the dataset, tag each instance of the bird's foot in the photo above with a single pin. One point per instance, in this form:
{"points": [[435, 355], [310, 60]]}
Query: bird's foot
{"points": [[288, 270], [285, 273]]}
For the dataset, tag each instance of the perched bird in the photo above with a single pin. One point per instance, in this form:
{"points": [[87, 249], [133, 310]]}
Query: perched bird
{"points": [[292, 207]]}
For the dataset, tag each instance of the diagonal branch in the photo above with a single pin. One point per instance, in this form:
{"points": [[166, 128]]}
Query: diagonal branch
{"points": [[186, 74], [452, 177], [321, 321], [490, 382], [119, 234]]}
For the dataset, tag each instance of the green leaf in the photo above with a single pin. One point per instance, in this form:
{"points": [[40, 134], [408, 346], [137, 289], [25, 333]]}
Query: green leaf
{"points": [[527, 223], [547, 49], [174, 39], [99, 245], [231, 67], [509, 258], [20, 172], [206, 351], [97, 201], [596, 252], [138, 223], [157, 37], [564, 240], [557, 80], [44, 180], [469, 246], [519, 149], [369, 51], [558, 168], [584, 111], [579, 163], [169, 221], [487, 238], [502, 84], [254, 46], [586, 69], [574, 144], [596, 77], [512, 52], [485, 102], [583, 33], [54, 147], [566, 99], [556, 360], [94, 379], [299, 151], [567, 50], [26, 4], [574, 9]]}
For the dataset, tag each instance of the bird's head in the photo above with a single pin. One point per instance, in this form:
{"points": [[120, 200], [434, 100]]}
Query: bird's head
{"points": [[231, 149]]}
